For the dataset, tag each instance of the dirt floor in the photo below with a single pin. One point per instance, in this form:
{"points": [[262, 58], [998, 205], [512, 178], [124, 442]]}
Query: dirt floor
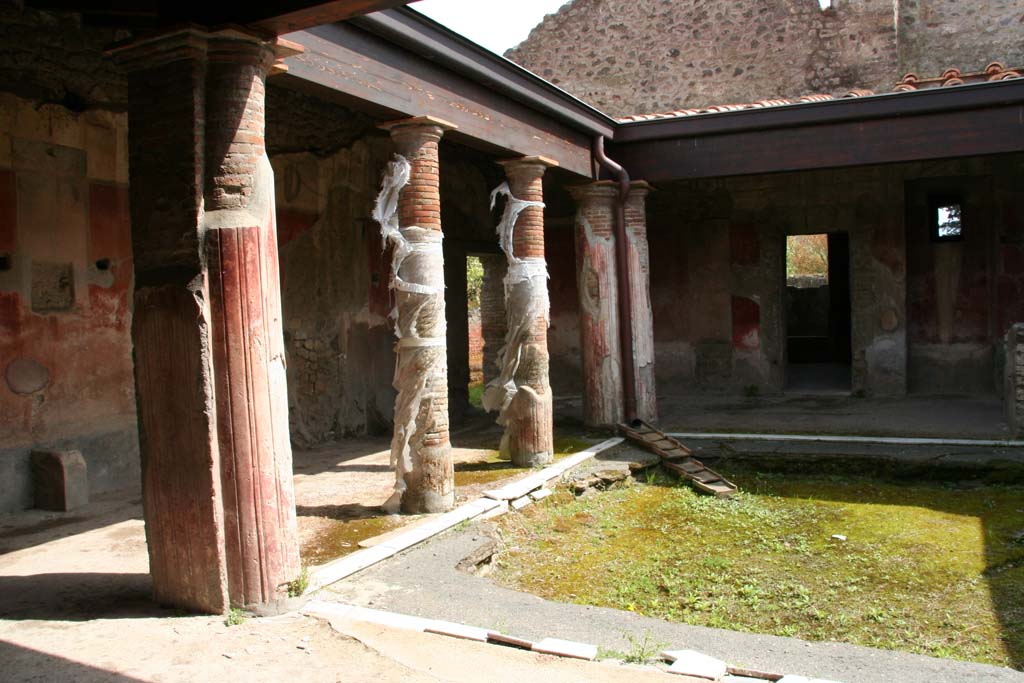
{"points": [[75, 591]]}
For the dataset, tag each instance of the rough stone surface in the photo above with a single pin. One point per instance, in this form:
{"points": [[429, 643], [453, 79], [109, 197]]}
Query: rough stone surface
{"points": [[639, 56], [60, 480]]}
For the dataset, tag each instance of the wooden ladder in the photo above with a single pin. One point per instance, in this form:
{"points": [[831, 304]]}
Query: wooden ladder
{"points": [[678, 458]]}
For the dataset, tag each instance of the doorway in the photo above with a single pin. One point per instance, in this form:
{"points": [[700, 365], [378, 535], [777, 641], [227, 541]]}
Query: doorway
{"points": [[818, 316]]}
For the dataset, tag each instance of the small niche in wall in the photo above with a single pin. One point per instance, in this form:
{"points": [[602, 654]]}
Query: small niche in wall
{"points": [[53, 287], [946, 219], [6, 263]]}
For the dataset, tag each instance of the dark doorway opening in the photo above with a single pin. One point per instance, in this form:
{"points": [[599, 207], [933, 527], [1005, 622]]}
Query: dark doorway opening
{"points": [[818, 317]]}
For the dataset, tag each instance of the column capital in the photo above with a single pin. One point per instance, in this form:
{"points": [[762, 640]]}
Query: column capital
{"points": [[598, 189], [418, 126], [641, 188], [535, 164], [196, 42]]}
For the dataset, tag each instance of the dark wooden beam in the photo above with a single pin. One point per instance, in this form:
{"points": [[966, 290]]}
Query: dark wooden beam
{"points": [[719, 148], [384, 80], [273, 18], [279, 18]]}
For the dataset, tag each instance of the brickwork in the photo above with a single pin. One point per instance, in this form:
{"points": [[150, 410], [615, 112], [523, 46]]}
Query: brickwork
{"points": [[528, 432], [429, 483], [476, 347], [641, 56]]}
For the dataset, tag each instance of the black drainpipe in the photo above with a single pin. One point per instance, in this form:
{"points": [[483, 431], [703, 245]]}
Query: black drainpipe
{"points": [[622, 277]]}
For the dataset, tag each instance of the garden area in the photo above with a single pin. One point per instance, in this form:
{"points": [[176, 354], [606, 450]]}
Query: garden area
{"points": [[927, 567]]}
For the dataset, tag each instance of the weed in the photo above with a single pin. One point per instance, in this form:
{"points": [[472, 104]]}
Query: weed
{"points": [[299, 584], [235, 617], [641, 649]]}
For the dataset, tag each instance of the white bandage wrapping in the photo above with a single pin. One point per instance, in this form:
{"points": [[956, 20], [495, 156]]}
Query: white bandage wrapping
{"points": [[417, 278], [526, 299]]}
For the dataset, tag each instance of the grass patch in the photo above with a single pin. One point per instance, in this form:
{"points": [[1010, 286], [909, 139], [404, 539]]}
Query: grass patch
{"points": [[476, 395], [929, 568]]}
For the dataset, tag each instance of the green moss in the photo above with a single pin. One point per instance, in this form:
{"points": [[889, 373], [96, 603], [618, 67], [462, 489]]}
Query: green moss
{"points": [[342, 537], [930, 568]]}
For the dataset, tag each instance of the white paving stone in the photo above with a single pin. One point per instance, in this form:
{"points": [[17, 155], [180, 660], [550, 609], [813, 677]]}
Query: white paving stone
{"points": [[450, 628], [520, 503], [566, 648], [392, 619], [696, 664], [541, 494], [337, 570], [500, 509]]}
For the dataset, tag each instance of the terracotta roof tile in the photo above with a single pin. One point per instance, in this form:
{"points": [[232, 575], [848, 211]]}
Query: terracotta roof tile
{"points": [[950, 77]]}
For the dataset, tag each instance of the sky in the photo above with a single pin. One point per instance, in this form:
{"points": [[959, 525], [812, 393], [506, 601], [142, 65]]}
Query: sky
{"points": [[494, 24]]}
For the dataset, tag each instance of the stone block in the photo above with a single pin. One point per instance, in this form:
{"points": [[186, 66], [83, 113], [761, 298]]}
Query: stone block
{"points": [[693, 663], [566, 648], [60, 480]]}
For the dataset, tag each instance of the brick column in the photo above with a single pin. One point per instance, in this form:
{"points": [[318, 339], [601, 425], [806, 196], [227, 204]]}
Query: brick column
{"points": [[421, 448], [643, 318], [598, 292], [209, 350], [528, 439], [492, 311]]}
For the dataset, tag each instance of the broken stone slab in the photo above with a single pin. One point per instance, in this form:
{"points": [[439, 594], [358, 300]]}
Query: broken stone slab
{"points": [[510, 641], [449, 628], [541, 494], [60, 480], [566, 648], [520, 503], [696, 664], [501, 509]]}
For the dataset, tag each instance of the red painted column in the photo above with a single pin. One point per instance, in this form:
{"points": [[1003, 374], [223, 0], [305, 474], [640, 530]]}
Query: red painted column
{"points": [[598, 293], [421, 446], [529, 438], [643, 317], [209, 351]]}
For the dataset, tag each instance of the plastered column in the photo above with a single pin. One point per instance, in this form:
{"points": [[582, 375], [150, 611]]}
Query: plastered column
{"points": [[598, 292], [420, 447], [1013, 396], [640, 290], [522, 383], [209, 352]]}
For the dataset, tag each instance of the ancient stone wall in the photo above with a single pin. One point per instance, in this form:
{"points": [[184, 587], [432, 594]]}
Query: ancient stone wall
{"points": [[640, 56], [719, 245], [935, 35], [65, 254]]}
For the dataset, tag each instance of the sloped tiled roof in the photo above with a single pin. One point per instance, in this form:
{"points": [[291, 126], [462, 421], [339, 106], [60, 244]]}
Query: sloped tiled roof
{"points": [[950, 77]]}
